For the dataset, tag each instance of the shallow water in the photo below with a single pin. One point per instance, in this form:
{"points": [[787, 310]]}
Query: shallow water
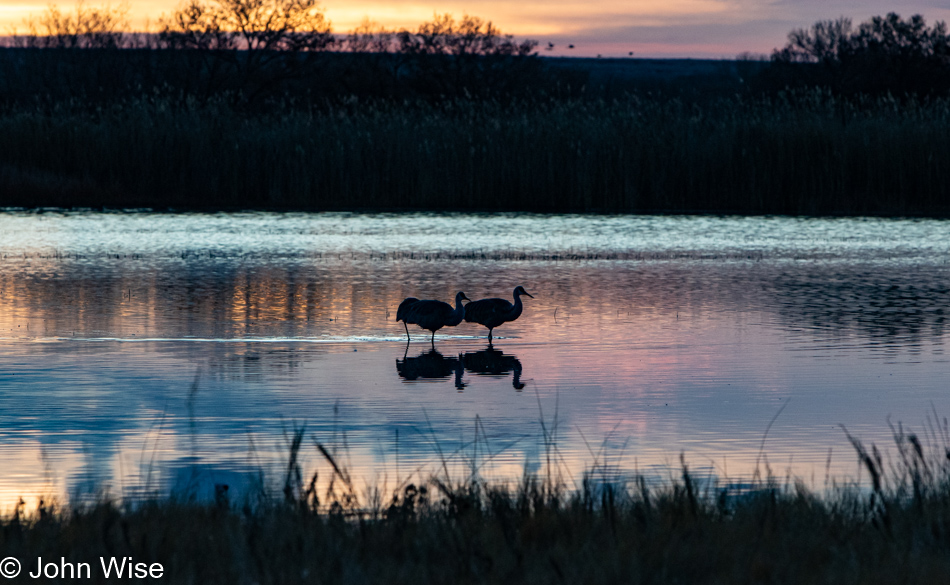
{"points": [[158, 351]]}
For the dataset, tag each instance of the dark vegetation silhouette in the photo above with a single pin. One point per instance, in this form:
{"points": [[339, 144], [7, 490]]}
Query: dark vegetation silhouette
{"points": [[89, 28], [811, 153], [322, 525], [256, 47], [884, 55], [256, 50], [268, 108]]}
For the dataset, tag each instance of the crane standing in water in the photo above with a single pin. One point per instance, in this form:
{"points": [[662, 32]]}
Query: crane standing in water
{"points": [[430, 314], [493, 312], [403, 311]]}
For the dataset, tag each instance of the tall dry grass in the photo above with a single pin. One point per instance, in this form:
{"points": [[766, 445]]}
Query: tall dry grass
{"points": [[809, 153], [467, 530]]}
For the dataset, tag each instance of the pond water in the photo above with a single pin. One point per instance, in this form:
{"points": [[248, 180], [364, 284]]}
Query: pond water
{"points": [[174, 351]]}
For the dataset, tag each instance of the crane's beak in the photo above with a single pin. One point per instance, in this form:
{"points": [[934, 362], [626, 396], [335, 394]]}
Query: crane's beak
{"points": [[526, 292]]}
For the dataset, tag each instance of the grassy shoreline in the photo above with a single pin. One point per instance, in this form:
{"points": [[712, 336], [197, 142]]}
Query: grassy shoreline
{"points": [[810, 153], [446, 530], [774, 537]]}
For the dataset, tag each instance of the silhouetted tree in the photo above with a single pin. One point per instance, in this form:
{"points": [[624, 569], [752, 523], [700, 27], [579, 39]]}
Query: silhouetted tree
{"points": [[824, 42], [468, 56], [443, 57], [374, 67], [256, 26], [883, 54], [88, 28], [263, 41], [75, 54], [370, 37], [259, 48], [470, 36]]}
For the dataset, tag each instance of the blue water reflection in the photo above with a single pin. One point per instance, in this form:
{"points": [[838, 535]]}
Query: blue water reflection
{"points": [[152, 350]]}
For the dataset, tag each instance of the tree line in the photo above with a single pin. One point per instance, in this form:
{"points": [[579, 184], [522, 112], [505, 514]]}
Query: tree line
{"points": [[885, 54], [258, 49]]}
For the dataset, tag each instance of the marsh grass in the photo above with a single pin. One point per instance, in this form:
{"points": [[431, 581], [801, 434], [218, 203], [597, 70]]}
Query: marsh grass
{"points": [[809, 153], [542, 529]]}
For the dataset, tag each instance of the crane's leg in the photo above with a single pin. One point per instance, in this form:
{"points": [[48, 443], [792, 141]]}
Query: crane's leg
{"points": [[433, 340], [489, 335], [407, 331]]}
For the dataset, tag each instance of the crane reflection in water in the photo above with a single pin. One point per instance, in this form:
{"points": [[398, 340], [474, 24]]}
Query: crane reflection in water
{"points": [[491, 362], [432, 365]]}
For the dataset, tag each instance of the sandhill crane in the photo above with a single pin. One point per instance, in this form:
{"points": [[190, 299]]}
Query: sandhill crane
{"points": [[493, 312], [430, 314], [403, 310]]}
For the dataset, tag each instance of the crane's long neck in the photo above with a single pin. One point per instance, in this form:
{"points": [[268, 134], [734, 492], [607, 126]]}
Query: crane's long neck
{"points": [[515, 311], [458, 313]]}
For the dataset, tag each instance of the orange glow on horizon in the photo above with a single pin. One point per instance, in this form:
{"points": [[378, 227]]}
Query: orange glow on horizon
{"points": [[681, 28], [556, 18], [559, 17], [557, 21]]}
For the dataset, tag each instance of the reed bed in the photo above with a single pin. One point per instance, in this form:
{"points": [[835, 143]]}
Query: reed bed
{"points": [[807, 153], [467, 530]]}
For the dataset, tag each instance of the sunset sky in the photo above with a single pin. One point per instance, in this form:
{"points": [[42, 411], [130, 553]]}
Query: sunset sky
{"points": [[650, 28]]}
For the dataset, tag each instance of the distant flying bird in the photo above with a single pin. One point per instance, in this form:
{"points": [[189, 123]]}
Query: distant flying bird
{"points": [[430, 314], [493, 312]]}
